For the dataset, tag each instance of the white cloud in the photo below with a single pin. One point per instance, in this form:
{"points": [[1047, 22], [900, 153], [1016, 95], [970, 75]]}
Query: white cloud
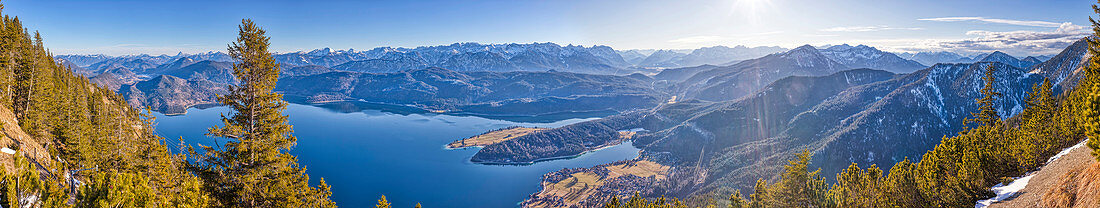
{"points": [[1023, 42], [994, 20], [867, 29]]}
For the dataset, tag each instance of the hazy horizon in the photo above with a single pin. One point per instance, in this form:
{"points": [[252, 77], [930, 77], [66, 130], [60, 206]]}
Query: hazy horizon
{"points": [[123, 27]]}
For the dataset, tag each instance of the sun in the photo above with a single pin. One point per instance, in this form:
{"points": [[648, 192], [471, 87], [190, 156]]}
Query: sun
{"points": [[749, 9]]}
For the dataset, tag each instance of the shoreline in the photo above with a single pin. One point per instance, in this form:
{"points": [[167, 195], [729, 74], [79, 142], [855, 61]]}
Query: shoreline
{"points": [[617, 143]]}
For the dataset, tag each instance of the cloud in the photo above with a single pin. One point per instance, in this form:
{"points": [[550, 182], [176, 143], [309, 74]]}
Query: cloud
{"points": [[1023, 42], [993, 20], [867, 29]]}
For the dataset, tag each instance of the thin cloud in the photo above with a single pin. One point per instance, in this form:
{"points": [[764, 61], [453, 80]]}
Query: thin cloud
{"points": [[867, 29], [994, 20]]}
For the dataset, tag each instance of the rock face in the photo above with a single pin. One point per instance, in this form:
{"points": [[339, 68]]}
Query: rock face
{"points": [[491, 93]]}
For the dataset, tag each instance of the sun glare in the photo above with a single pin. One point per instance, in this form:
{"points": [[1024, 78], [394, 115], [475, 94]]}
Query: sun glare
{"points": [[749, 9]]}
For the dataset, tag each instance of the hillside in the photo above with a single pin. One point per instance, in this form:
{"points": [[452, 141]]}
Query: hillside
{"points": [[860, 117], [480, 93], [1048, 179]]}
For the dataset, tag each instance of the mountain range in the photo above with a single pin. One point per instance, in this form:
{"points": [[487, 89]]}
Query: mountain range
{"points": [[842, 115], [716, 73]]}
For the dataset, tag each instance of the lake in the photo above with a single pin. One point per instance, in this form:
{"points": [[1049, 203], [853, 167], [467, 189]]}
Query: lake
{"points": [[365, 153]]}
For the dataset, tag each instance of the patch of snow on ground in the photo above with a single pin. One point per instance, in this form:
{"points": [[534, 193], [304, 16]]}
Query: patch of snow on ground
{"points": [[1003, 191], [1066, 151]]}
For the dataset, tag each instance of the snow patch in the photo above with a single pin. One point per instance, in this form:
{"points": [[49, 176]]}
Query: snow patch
{"points": [[1066, 151], [1005, 191]]}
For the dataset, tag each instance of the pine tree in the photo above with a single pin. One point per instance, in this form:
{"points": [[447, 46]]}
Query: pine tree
{"points": [[736, 201], [799, 187], [1037, 136], [1089, 87], [901, 188], [118, 190], [857, 187], [24, 184], [987, 113], [255, 168], [759, 198], [383, 203]]}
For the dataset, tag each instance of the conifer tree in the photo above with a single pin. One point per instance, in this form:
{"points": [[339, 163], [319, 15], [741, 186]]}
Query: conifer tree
{"points": [[759, 198], [736, 201], [255, 168], [857, 187], [900, 187], [987, 113], [383, 203], [25, 188], [1089, 89]]}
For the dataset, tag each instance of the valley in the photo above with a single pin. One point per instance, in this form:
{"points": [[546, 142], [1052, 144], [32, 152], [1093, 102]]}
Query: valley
{"points": [[705, 128], [549, 104]]}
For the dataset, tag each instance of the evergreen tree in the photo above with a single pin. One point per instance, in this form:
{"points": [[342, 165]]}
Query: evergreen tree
{"points": [[255, 168], [736, 201], [759, 198], [987, 113], [118, 190], [1089, 90], [900, 187], [857, 187], [799, 187], [24, 187], [383, 203]]}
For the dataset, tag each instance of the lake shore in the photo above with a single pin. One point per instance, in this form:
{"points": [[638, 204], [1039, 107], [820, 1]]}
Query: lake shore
{"points": [[493, 137]]}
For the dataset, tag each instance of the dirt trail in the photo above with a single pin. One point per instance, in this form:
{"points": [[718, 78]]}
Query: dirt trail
{"points": [[1047, 177]]}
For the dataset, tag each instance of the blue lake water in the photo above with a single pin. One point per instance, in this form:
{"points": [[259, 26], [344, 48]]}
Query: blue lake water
{"points": [[363, 154]]}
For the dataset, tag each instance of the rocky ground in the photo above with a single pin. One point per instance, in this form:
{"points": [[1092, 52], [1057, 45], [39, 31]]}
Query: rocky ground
{"points": [[1049, 177]]}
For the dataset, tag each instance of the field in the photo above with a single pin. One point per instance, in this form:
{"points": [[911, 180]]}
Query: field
{"points": [[493, 137], [585, 185]]}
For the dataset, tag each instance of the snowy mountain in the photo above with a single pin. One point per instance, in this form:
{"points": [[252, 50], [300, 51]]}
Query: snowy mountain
{"points": [[861, 115], [734, 81], [661, 58], [459, 56], [717, 55], [933, 58], [633, 57], [863, 56], [1061, 69], [1002, 57]]}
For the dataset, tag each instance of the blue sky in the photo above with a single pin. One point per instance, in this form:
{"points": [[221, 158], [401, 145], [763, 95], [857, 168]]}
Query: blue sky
{"points": [[117, 27]]}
